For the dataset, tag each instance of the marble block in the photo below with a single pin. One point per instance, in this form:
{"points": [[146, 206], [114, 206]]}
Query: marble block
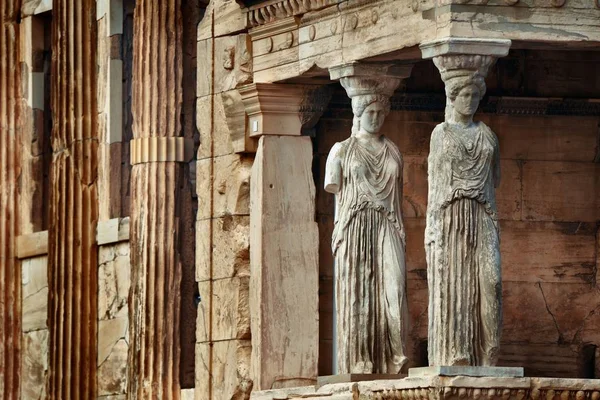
{"points": [[496, 372]]}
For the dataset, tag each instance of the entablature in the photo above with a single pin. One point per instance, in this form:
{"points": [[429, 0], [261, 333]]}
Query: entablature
{"points": [[293, 38]]}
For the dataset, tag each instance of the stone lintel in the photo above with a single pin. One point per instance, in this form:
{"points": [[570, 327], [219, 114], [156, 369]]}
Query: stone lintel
{"points": [[282, 109], [458, 46], [513, 372], [112, 231], [32, 245]]}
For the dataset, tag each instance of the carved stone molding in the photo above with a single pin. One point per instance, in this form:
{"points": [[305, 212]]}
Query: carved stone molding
{"points": [[270, 11], [447, 388], [161, 149], [281, 109]]}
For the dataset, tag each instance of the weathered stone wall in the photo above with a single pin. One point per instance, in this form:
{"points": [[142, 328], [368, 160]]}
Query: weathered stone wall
{"points": [[34, 362], [223, 218], [113, 291], [548, 205]]}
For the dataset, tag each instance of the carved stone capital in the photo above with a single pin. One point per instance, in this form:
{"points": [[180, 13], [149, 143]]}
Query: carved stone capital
{"points": [[280, 109], [360, 79], [455, 56]]}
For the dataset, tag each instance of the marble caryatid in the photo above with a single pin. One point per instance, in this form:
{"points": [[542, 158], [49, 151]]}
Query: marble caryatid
{"points": [[462, 238], [365, 174]]}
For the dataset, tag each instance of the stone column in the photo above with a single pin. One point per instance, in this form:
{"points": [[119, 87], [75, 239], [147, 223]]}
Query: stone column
{"points": [[10, 128], [72, 249], [284, 238], [157, 153], [362, 171], [462, 236]]}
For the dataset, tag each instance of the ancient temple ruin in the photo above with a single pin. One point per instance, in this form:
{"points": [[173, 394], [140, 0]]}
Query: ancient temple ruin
{"points": [[166, 232]]}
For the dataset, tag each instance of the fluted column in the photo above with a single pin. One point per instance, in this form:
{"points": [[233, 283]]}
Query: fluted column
{"points": [[10, 276], [72, 249], [157, 153]]}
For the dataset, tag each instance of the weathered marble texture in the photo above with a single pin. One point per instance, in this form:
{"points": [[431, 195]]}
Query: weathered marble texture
{"points": [[368, 242], [462, 235]]}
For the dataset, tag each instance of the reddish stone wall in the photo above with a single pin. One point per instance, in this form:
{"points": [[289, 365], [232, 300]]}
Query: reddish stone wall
{"points": [[549, 207]]}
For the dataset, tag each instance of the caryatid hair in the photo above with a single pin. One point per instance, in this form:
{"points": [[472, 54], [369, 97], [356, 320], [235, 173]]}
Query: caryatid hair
{"points": [[360, 104]]}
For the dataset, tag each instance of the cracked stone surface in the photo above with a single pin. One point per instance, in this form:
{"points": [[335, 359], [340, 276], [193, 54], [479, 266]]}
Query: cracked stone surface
{"points": [[113, 281], [35, 293]]}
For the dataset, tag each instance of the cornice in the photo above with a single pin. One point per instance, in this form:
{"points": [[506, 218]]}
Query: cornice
{"points": [[270, 11]]}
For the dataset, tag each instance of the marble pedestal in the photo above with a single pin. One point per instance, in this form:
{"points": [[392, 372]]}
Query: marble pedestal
{"points": [[492, 372], [440, 387], [346, 378]]}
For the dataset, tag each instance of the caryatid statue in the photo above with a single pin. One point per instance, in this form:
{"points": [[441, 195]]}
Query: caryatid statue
{"points": [[365, 174], [462, 237]]}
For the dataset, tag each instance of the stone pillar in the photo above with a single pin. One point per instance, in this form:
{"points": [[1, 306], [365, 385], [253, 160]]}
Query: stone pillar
{"points": [[462, 235], [376, 260], [157, 153], [72, 249], [10, 128], [284, 238]]}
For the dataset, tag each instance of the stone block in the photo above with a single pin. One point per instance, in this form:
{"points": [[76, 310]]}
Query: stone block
{"points": [[564, 312], [35, 293], [187, 394], [231, 185], [227, 16], [110, 333], [204, 123], [545, 137], [231, 246], [559, 252], [203, 249], [204, 75], [509, 193], [561, 191], [231, 315], [34, 364], [203, 314], [497, 372], [203, 371], [113, 281], [33, 244], [233, 62], [414, 204], [112, 231], [231, 369], [204, 187], [412, 137], [112, 371]]}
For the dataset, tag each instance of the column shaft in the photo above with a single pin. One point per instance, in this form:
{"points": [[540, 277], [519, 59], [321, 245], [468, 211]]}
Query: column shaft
{"points": [[155, 181], [10, 273], [72, 249]]}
